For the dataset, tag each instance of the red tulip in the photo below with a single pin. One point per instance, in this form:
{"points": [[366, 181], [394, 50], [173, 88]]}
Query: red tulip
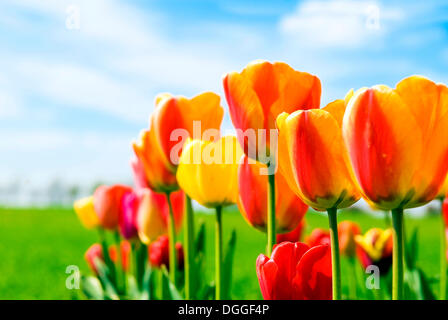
{"points": [[107, 203], [318, 237], [92, 255], [293, 236], [252, 200], [159, 253], [128, 215], [347, 231], [296, 272]]}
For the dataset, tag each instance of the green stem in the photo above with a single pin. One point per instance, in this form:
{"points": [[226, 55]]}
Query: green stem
{"points": [[443, 262], [335, 256], [271, 214], [189, 248], [218, 252], [352, 278], [172, 241], [107, 260], [120, 271], [398, 255]]}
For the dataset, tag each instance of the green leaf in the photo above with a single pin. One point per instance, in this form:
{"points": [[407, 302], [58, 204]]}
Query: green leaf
{"points": [[110, 292], [141, 259], [227, 266], [92, 288], [200, 239], [169, 289], [147, 292]]}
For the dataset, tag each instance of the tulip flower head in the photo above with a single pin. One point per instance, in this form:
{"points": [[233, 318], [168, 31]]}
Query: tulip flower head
{"points": [[318, 237], [85, 210], [375, 248], [253, 195], [258, 94], [107, 204], [159, 253], [347, 231], [293, 236], [296, 272], [208, 171], [313, 157], [153, 214], [444, 191], [397, 140]]}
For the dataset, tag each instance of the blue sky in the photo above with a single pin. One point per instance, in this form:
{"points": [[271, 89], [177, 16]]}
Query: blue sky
{"points": [[72, 99]]}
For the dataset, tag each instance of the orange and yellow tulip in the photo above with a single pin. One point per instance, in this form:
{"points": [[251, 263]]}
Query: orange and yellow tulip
{"points": [[375, 247], [397, 140], [444, 191], [158, 172], [252, 200], [107, 204], [174, 113], [208, 171], [313, 158], [85, 210], [153, 214], [263, 90]]}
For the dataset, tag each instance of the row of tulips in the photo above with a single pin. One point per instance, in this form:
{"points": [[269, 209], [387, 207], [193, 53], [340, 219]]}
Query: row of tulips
{"points": [[386, 145]]}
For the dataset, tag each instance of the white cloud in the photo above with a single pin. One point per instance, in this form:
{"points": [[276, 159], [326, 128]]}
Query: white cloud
{"points": [[337, 24]]}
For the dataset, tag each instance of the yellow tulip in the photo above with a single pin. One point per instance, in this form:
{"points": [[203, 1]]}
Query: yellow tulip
{"points": [[208, 171], [86, 212]]}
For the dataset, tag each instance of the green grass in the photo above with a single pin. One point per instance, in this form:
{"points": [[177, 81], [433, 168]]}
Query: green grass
{"points": [[37, 245]]}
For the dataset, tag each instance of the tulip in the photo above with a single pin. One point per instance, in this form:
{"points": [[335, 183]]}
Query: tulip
{"points": [[314, 159], [293, 236], [177, 118], [85, 210], [208, 173], [153, 214], [159, 253], [318, 237], [93, 255], [107, 204], [375, 248], [347, 231], [444, 190], [128, 215], [296, 272], [256, 96], [160, 214], [398, 145], [252, 200]]}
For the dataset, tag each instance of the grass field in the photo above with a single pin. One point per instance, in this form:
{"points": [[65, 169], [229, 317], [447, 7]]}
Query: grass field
{"points": [[37, 245]]}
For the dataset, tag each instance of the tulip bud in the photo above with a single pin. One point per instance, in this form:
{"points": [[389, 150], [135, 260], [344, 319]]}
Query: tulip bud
{"points": [[85, 210], [159, 253], [125, 252], [92, 255], [107, 203]]}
